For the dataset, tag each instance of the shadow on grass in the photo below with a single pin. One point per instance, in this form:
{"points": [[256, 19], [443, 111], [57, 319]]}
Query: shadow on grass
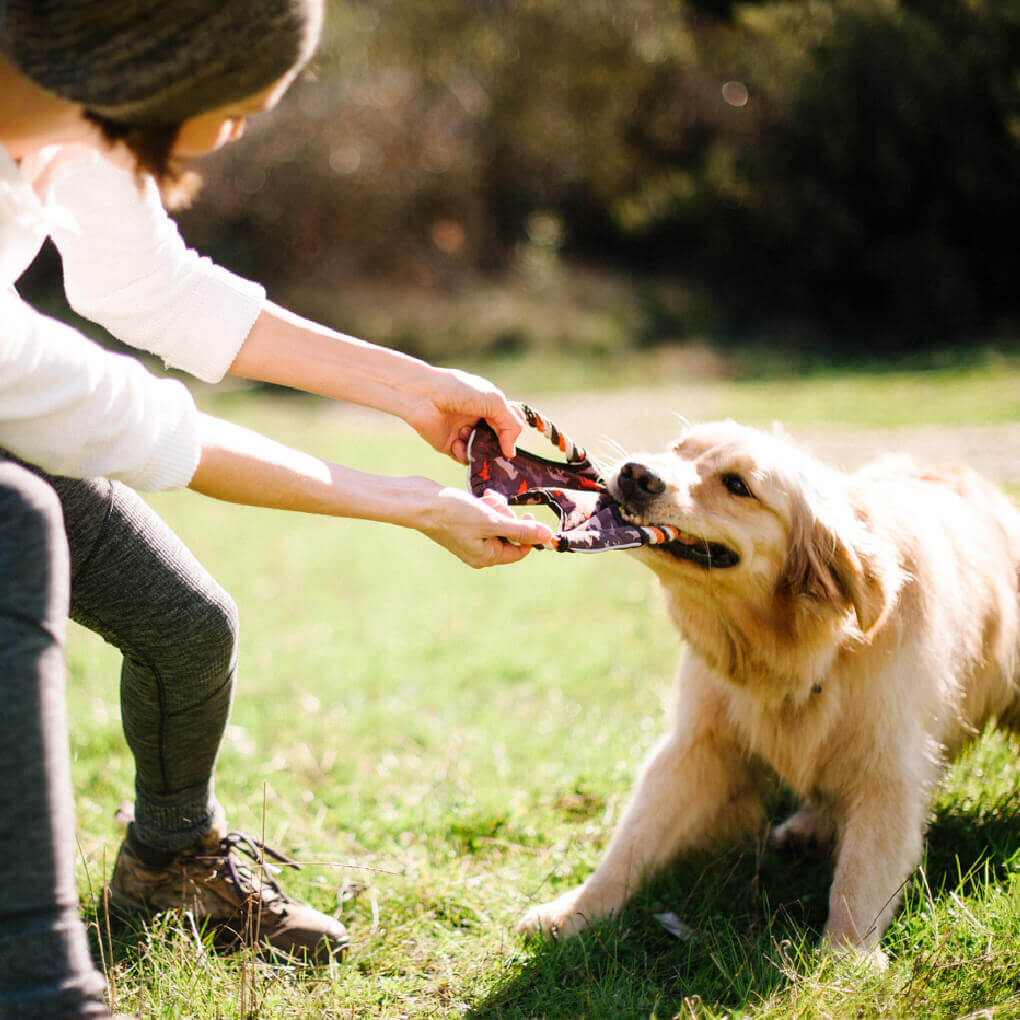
{"points": [[118, 939], [967, 841], [746, 909], [741, 905]]}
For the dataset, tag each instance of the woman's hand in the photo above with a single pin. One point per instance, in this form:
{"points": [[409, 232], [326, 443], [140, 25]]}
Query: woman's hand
{"points": [[451, 403], [482, 532]]}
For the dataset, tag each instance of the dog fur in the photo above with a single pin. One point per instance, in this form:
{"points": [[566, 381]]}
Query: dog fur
{"points": [[869, 629]]}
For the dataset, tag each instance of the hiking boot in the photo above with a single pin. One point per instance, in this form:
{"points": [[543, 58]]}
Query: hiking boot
{"points": [[214, 884]]}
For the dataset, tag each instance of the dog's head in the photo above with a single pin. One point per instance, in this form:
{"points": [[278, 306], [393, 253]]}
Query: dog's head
{"points": [[769, 535]]}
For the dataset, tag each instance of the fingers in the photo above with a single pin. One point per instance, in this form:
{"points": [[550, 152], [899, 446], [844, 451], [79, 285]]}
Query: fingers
{"points": [[526, 532], [459, 404], [458, 451], [499, 554], [459, 445], [498, 502], [518, 413], [510, 538], [507, 421], [523, 530], [484, 531]]}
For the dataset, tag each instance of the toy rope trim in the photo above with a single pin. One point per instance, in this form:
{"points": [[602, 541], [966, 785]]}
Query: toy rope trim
{"points": [[652, 534], [562, 442], [659, 534]]}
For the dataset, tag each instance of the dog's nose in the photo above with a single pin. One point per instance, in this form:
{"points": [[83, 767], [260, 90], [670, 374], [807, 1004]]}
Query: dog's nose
{"points": [[636, 482]]}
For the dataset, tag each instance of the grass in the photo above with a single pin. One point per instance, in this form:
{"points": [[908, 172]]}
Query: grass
{"points": [[457, 745], [977, 389]]}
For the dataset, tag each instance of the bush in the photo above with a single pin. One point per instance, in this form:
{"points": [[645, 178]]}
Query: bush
{"points": [[822, 170]]}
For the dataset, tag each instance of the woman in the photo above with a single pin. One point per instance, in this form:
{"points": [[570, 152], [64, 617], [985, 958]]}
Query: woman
{"points": [[98, 100]]}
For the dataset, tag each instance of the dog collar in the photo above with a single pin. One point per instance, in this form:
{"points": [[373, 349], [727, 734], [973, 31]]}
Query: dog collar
{"points": [[589, 518]]}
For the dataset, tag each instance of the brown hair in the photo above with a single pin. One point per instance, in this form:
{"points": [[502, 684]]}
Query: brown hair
{"points": [[152, 146]]}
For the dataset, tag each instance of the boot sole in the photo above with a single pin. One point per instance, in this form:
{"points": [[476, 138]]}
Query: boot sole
{"points": [[225, 938]]}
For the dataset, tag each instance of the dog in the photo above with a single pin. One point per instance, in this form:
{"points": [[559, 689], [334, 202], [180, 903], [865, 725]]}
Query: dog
{"points": [[848, 633]]}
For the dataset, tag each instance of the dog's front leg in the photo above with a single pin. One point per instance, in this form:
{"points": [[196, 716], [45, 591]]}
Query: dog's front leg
{"points": [[880, 841], [693, 790]]}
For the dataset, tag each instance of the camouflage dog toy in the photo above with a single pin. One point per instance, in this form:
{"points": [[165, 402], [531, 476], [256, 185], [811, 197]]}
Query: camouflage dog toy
{"points": [[590, 519]]}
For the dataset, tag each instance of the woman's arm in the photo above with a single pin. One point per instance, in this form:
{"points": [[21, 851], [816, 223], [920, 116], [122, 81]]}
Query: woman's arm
{"points": [[127, 267], [441, 404], [241, 466]]}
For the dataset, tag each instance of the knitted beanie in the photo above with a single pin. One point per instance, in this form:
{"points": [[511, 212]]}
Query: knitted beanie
{"points": [[157, 61]]}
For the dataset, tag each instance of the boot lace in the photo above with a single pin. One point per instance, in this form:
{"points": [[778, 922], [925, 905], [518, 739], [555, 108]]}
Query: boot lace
{"points": [[240, 873]]}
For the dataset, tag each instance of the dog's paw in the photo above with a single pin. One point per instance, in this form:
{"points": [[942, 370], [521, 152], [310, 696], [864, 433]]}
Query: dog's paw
{"points": [[876, 960], [871, 959], [807, 833], [560, 918]]}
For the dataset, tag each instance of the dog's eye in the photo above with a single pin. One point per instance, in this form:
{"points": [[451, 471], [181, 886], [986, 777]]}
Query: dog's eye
{"points": [[736, 486]]}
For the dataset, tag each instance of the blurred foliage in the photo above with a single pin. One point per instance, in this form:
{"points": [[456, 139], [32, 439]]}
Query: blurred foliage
{"points": [[816, 171]]}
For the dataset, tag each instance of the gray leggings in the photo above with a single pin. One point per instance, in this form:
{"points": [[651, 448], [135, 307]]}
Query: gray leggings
{"points": [[94, 551]]}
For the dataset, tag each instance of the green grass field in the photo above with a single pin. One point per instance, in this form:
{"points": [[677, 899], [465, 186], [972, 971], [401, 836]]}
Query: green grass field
{"points": [[454, 745]]}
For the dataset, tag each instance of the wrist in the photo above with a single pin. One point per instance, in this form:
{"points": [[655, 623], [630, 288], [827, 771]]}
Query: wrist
{"points": [[407, 386], [410, 502]]}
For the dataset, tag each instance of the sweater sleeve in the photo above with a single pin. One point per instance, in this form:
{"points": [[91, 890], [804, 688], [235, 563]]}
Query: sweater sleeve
{"points": [[73, 408], [127, 268]]}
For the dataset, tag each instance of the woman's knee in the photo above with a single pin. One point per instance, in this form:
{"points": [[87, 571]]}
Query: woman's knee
{"points": [[220, 626], [189, 661]]}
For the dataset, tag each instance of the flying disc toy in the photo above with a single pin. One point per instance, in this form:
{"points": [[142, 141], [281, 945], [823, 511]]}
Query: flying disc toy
{"points": [[590, 519]]}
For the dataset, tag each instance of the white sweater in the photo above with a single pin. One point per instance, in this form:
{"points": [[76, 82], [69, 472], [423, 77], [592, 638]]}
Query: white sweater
{"points": [[68, 405]]}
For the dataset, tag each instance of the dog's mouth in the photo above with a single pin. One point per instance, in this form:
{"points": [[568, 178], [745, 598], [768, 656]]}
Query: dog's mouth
{"points": [[710, 555]]}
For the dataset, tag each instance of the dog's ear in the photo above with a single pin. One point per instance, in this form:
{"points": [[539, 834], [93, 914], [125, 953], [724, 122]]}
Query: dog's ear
{"points": [[835, 565]]}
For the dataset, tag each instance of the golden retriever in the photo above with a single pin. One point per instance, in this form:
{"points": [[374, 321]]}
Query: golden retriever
{"points": [[849, 633]]}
